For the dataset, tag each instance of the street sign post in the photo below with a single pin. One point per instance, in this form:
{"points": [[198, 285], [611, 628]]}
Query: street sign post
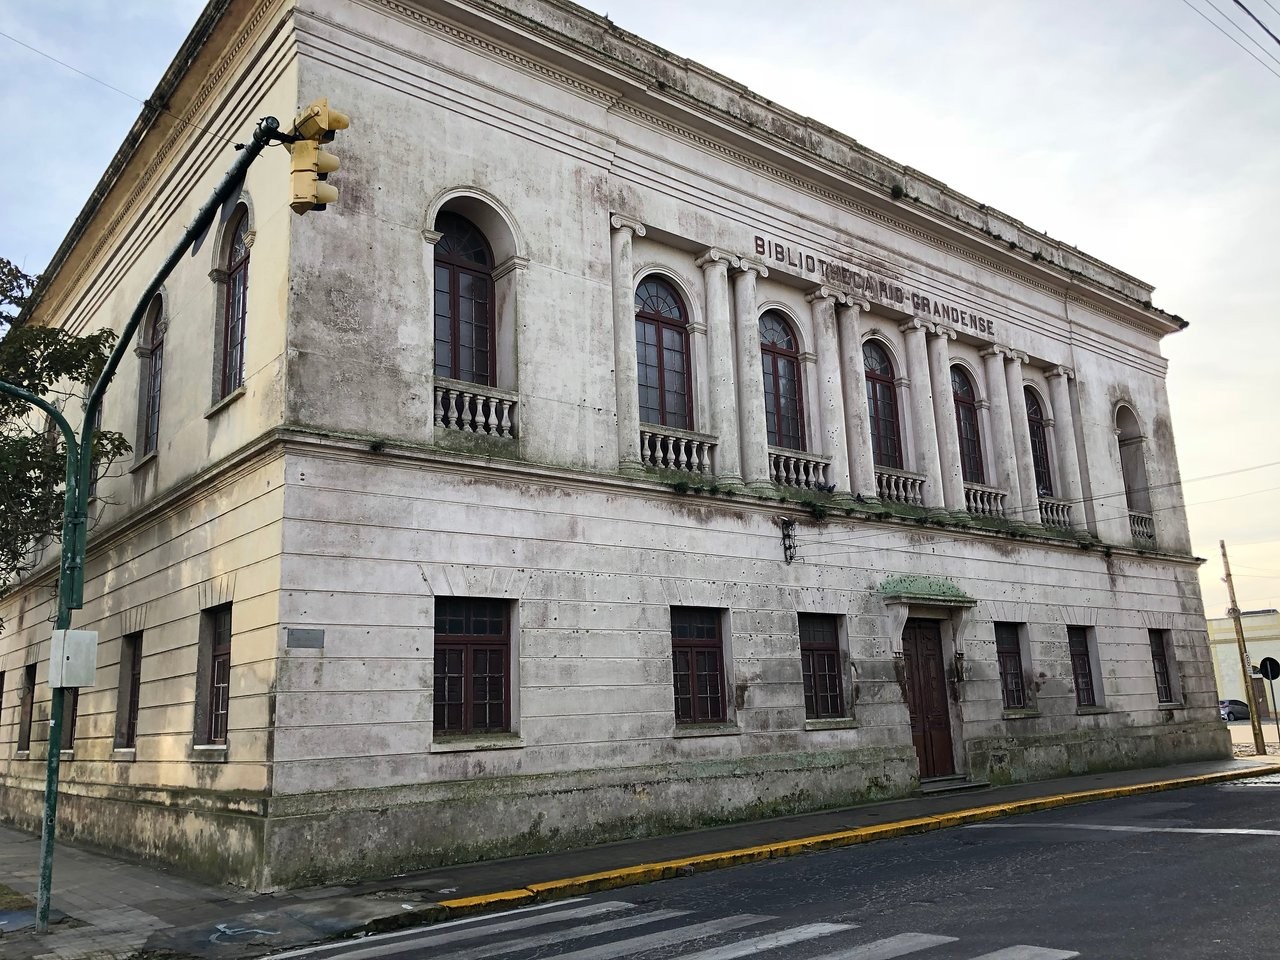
{"points": [[1270, 668]]}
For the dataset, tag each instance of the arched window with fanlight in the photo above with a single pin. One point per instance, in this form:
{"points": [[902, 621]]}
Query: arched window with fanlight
{"points": [[235, 308], [882, 406], [464, 321], [966, 404], [662, 355], [1039, 443], [152, 357], [783, 396]]}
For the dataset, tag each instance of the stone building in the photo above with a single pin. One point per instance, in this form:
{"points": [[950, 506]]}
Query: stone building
{"points": [[1261, 629], [623, 452]]}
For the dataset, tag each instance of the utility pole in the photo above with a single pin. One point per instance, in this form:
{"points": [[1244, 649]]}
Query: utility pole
{"points": [[1245, 668], [79, 472]]}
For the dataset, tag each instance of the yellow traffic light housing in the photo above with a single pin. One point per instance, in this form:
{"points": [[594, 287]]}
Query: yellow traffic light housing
{"points": [[311, 165]]}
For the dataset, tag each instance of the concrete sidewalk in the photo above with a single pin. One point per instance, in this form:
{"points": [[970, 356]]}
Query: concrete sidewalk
{"points": [[110, 908]]}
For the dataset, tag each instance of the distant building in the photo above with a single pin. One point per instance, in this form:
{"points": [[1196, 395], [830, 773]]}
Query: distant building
{"points": [[1261, 639], [622, 453]]}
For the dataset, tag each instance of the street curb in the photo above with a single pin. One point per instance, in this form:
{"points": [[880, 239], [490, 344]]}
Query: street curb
{"points": [[685, 866]]}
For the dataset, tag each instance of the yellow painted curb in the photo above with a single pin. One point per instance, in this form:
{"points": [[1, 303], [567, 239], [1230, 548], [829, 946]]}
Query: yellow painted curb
{"points": [[666, 869]]}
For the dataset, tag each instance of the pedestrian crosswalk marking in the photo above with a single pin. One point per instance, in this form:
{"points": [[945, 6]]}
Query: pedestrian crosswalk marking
{"points": [[450, 937], [889, 947], [558, 936], [665, 938], [770, 941], [1023, 952]]}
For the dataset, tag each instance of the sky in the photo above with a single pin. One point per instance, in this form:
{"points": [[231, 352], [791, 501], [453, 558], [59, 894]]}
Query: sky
{"points": [[1136, 130]]}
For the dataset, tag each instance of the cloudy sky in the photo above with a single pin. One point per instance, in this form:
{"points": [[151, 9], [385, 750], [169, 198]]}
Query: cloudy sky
{"points": [[1136, 130]]}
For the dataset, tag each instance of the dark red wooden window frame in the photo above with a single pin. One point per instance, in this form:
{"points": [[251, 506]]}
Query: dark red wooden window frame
{"points": [[967, 426], [667, 415], [821, 666], [1160, 665], [453, 263], [1039, 443], [155, 372], [697, 665], [1081, 666], [783, 415], [131, 687], [218, 694], [472, 666], [882, 407], [235, 308], [1013, 690], [26, 706]]}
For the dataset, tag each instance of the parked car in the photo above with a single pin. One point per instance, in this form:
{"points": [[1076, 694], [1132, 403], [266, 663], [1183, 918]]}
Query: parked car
{"points": [[1233, 709]]}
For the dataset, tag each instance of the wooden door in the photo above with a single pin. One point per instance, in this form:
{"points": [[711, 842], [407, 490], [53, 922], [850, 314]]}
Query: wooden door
{"points": [[926, 689]]}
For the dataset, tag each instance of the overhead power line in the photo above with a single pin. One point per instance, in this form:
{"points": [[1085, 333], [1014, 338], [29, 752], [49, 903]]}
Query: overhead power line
{"points": [[1244, 33], [124, 93], [1213, 23], [1265, 28]]}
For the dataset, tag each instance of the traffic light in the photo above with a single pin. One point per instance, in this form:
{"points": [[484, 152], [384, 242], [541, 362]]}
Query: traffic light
{"points": [[311, 165]]}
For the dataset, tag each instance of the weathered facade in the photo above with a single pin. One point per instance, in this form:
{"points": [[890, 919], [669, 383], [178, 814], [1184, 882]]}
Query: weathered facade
{"points": [[621, 453]]}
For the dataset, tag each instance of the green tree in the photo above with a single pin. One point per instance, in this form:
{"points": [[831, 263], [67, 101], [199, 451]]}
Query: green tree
{"points": [[59, 367]]}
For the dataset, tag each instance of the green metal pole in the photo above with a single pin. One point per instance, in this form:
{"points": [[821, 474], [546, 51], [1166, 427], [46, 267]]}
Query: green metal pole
{"points": [[79, 475]]}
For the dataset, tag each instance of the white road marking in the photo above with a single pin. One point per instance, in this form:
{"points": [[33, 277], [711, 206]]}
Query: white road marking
{"points": [[770, 941], [889, 947], [664, 938], [1118, 828], [388, 939], [1023, 952], [451, 937]]}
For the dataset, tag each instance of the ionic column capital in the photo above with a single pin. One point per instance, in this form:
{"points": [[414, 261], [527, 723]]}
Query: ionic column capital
{"points": [[823, 292], [1060, 371], [750, 265], [995, 350], [622, 222], [944, 331], [1016, 356], [713, 256], [915, 323]]}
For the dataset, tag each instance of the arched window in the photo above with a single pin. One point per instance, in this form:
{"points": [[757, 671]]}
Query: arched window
{"points": [[662, 355], [237, 297], [882, 406], [464, 327], [1133, 462], [966, 403], [1039, 443], [783, 399], [152, 369]]}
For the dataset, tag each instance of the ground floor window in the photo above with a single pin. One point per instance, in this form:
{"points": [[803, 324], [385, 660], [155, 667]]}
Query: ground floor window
{"points": [[25, 706], [697, 665], [1009, 652], [70, 711], [128, 690], [472, 661], [1159, 640], [820, 666], [1078, 641], [213, 676]]}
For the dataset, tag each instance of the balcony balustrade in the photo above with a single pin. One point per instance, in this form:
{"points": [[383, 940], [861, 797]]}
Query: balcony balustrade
{"points": [[900, 486], [794, 468], [672, 449], [1055, 513], [983, 501], [1143, 528], [473, 408]]}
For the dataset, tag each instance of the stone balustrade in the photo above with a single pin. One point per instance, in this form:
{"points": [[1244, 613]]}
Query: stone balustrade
{"points": [[672, 449], [794, 468], [1055, 513], [900, 486], [983, 501], [1143, 528], [473, 408]]}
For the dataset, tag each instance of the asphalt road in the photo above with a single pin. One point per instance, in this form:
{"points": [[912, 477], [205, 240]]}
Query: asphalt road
{"points": [[1185, 874]]}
